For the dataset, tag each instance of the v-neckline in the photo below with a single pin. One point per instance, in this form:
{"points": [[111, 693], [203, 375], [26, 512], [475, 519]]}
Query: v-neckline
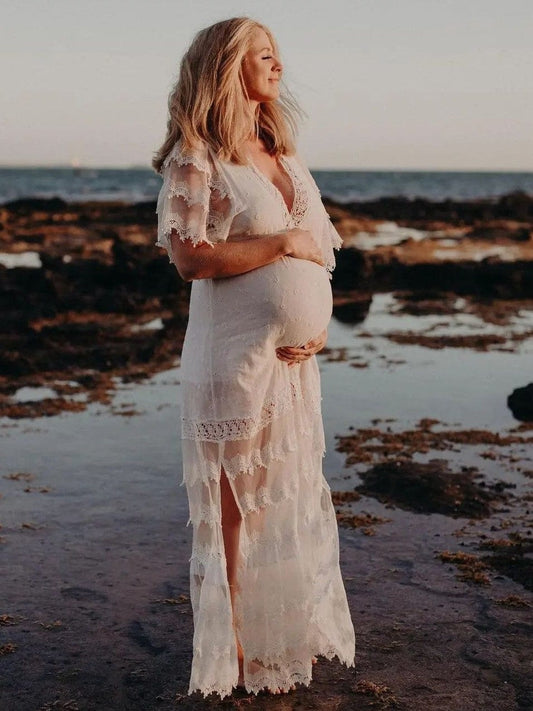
{"points": [[288, 173]]}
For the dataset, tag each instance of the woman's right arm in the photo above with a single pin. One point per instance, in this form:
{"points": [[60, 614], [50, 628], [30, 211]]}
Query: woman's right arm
{"points": [[226, 259]]}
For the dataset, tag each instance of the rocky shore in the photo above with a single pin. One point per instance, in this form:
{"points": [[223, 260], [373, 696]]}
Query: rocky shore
{"points": [[86, 297]]}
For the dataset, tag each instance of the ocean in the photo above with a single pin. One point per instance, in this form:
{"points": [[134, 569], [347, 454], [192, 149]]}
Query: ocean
{"points": [[141, 184]]}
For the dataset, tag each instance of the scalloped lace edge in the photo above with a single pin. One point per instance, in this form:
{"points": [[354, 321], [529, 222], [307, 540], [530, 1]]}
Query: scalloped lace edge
{"points": [[244, 427], [263, 682]]}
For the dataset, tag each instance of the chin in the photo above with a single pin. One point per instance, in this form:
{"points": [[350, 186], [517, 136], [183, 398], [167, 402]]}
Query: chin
{"points": [[272, 96]]}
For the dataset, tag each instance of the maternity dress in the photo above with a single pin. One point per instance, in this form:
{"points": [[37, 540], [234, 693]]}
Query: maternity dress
{"points": [[246, 411]]}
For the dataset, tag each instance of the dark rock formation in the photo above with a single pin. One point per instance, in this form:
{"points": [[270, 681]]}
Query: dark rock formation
{"points": [[489, 278], [430, 488], [513, 206], [520, 402]]}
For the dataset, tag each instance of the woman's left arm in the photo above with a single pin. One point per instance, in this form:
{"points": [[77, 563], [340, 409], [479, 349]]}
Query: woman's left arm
{"points": [[293, 355]]}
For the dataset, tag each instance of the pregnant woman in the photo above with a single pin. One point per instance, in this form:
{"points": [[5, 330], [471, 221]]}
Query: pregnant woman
{"points": [[241, 217]]}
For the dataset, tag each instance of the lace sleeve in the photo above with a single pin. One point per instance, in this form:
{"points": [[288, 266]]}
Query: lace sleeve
{"points": [[193, 200]]}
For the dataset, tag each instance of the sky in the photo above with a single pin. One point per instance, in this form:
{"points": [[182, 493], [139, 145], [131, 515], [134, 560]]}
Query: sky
{"points": [[385, 84]]}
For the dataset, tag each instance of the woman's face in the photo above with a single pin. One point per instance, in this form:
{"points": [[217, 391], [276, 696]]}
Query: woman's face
{"points": [[261, 69]]}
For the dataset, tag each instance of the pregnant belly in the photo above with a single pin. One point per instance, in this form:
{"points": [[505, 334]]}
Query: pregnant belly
{"points": [[290, 298]]}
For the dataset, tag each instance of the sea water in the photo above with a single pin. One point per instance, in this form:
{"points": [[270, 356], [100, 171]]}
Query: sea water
{"points": [[142, 184]]}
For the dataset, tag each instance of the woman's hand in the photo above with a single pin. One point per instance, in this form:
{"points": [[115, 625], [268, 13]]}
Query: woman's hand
{"points": [[301, 245], [293, 355]]}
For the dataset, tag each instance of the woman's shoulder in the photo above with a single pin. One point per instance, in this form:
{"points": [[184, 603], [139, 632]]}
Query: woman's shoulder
{"points": [[196, 154]]}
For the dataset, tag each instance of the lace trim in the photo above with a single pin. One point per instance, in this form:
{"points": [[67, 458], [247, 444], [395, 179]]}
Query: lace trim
{"points": [[336, 239], [181, 189], [188, 157], [246, 427], [270, 679], [213, 226], [216, 183], [184, 231], [301, 198], [260, 682], [250, 502], [205, 553], [331, 237], [266, 496], [242, 464], [170, 219], [205, 513], [215, 222]]}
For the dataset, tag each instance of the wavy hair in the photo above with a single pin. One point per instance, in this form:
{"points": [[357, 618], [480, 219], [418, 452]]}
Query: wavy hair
{"points": [[209, 101]]}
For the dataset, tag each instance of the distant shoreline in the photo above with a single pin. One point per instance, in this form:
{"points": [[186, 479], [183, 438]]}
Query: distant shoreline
{"points": [[471, 171]]}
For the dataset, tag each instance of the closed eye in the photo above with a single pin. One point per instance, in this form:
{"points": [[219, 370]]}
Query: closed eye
{"points": [[269, 57]]}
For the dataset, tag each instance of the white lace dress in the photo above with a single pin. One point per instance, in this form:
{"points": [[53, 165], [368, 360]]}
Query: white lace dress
{"points": [[245, 410]]}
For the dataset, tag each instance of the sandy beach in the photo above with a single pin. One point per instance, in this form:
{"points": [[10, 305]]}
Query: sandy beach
{"points": [[428, 412]]}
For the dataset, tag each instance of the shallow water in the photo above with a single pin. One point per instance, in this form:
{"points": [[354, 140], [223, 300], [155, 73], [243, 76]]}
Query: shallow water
{"points": [[460, 387]]}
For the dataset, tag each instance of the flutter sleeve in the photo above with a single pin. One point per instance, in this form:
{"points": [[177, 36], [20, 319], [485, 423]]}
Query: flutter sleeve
{"points": [[328, 237], [194, 200]]}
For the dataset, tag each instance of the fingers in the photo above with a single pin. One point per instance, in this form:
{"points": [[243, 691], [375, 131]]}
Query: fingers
{"points": [[298, 355], [293, 359], [292, 351], [293, 355]]}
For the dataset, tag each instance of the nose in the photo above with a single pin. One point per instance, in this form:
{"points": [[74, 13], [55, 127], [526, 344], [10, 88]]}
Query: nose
{"points": [[277, 66]]}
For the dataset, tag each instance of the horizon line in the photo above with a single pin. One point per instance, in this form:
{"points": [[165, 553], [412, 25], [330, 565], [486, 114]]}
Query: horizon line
{"points": [[375, 169]]}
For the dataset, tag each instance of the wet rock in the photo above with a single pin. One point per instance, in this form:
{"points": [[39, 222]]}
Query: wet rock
{"points": [[27, 206], [511, 557], [352, 271], [386, 272], [375, 446], [501, 312], [471, 568], [478, 342], [520, 402], [352, 308], [502, 230], [69, 318], [517, 205], [430, 488], [427, 302]]}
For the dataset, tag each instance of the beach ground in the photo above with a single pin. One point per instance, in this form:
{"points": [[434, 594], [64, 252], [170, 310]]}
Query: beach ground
{"points": [[95, 600]]}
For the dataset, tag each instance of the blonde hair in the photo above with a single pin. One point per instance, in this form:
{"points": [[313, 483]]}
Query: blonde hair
{"points": [[209, 101]]}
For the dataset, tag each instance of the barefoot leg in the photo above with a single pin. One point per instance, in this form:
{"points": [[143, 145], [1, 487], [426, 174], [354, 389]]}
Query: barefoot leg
{"points": [[231, 526]]}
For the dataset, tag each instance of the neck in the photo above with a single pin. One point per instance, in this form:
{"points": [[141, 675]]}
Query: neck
{"points": [[254, 107], [253, 135]]}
